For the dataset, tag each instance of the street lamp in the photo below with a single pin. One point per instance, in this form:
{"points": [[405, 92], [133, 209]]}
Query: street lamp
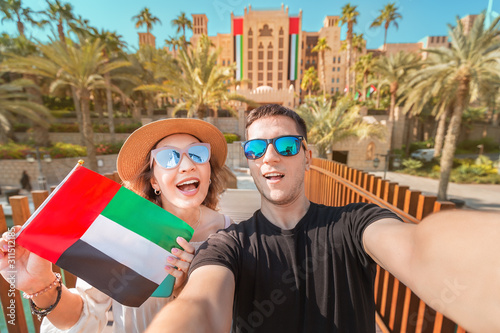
{"points": [[42, 181], [396, 162]]}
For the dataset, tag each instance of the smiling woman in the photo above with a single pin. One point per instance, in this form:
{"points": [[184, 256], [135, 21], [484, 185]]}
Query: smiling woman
{"points": [[174, 163]]}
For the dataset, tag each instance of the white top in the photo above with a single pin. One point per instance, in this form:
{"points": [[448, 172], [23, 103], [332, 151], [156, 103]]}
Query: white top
{"points": [[126, 319]]}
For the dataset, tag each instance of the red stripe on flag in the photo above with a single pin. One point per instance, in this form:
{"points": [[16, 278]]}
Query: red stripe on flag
{"points": [[237, 26], [294, 25], [68, 214]]}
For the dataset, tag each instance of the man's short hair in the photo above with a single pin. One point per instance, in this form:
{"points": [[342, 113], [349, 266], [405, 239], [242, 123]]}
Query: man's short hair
{"points": [[271, 110]]}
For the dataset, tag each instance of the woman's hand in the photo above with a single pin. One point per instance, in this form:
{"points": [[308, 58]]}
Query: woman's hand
{"points": [[181, 263], [32, 273]]}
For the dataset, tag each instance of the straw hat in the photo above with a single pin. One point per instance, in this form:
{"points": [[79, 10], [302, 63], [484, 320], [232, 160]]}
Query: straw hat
{"points": [[138, 145]]}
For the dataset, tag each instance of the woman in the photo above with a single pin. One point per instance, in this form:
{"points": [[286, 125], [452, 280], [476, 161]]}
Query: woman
{"points": [[178, 165]]}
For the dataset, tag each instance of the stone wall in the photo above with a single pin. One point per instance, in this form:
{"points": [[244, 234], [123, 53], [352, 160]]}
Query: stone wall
{"points": [[55, 171]]}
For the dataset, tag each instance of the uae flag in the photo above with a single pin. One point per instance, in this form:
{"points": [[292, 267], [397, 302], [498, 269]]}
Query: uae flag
{"points": [[238, 46], [294, 48], [371, 90], [105, 234]]}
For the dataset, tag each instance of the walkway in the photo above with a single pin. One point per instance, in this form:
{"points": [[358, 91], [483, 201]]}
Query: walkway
{"points": [[476, 196]]}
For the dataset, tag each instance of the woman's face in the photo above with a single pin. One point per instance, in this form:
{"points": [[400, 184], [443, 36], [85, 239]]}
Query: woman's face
{"points": [[186, 185]]}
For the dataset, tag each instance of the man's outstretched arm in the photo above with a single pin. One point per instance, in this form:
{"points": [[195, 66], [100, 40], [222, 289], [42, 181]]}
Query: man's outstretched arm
{"points": [[205, 304], [451, 260]]}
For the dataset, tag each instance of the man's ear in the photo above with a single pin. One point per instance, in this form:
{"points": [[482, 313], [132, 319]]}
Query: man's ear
{"points": [[308, 159]]}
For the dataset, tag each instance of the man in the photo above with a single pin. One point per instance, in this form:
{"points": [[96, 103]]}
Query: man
{"points": [[296, 266]]}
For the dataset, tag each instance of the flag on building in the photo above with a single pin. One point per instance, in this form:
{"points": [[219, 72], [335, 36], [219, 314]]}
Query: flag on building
{"points": [[105, 234], [294, 24], [238, 46], [371, 90]]}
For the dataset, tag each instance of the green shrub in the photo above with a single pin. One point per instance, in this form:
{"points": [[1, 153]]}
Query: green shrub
{"points": [[412, 164], [64, 128], [13, 150], [470, 146], [21, 127], [107, 148], [62, 149], [429, 143], [126, 128], [231, 137]]}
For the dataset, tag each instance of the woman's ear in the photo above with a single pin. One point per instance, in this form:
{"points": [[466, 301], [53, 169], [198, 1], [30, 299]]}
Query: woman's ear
{"points": [[154, 183]]}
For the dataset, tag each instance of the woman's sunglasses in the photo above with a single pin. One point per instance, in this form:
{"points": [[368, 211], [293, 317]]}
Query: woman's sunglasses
{"points": [[169, 157], [287, 145]]}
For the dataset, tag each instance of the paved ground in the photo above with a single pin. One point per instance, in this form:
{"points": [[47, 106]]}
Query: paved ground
{"points": [[476, 196]]}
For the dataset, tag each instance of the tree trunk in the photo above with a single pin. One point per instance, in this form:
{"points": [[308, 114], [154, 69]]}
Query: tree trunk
{"points": [[379, 92], [411, 123], [438, 144], [87, 130], [98, 102], [109, 100], [324, 73], [149, 105], [79, 117], [40, 133], [393, 90], [451, 139]]}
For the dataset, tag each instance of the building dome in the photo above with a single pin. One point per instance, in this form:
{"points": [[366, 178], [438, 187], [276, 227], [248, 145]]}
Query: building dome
{"points": [[263, 89]]}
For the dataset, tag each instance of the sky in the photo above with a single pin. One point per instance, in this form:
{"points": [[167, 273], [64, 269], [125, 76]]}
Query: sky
{"points": [[420, 18]]}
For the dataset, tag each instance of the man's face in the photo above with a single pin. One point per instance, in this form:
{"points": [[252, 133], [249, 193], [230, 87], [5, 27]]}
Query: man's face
{"points": [[279, 179]]}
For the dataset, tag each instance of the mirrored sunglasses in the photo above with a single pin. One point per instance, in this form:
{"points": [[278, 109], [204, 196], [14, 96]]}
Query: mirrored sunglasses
{"points": [[169, 157], [287, 145]]}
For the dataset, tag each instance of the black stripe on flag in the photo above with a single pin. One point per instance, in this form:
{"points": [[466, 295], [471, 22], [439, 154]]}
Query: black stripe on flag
{"points": [[116, 280]]}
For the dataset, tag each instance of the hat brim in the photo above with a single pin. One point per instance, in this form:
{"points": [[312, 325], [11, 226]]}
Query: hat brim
{"points": [[136, 148]]}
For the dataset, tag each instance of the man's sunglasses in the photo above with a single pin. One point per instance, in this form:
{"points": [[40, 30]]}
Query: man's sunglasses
{"points": [[169, 157], [287, 145]]}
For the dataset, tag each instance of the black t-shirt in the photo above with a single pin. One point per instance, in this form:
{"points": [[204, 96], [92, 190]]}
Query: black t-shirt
{"points": [[315, 277]]}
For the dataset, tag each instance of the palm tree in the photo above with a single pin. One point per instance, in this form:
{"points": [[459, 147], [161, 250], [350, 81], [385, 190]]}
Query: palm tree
{"points": [[328, 126], [387, 16], [181, 22], [364, 66], [395, 69], [14, 102], [174, 43], [198, 82], [113, 44], [321, 47], [82, 67], [455, 77], [358, 43], [310, 80], [145, 18], [349, 17], [13, 10], [60, 13]]}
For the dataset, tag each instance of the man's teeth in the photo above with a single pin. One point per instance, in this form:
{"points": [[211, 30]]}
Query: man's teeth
{"points": [[273, 175], [188, 182]]}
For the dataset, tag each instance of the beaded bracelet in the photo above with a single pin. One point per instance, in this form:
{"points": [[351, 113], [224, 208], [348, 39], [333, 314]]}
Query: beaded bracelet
{"points": [[57, 281], [40, 312]]}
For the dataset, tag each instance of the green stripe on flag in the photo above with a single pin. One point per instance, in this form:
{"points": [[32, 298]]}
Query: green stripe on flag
{"points": [[145, 218], [296, 56]]}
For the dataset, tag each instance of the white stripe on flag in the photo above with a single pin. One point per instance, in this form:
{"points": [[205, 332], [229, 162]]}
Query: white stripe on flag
{"points": [[292, 56], [109, 237], [238, 57]]}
